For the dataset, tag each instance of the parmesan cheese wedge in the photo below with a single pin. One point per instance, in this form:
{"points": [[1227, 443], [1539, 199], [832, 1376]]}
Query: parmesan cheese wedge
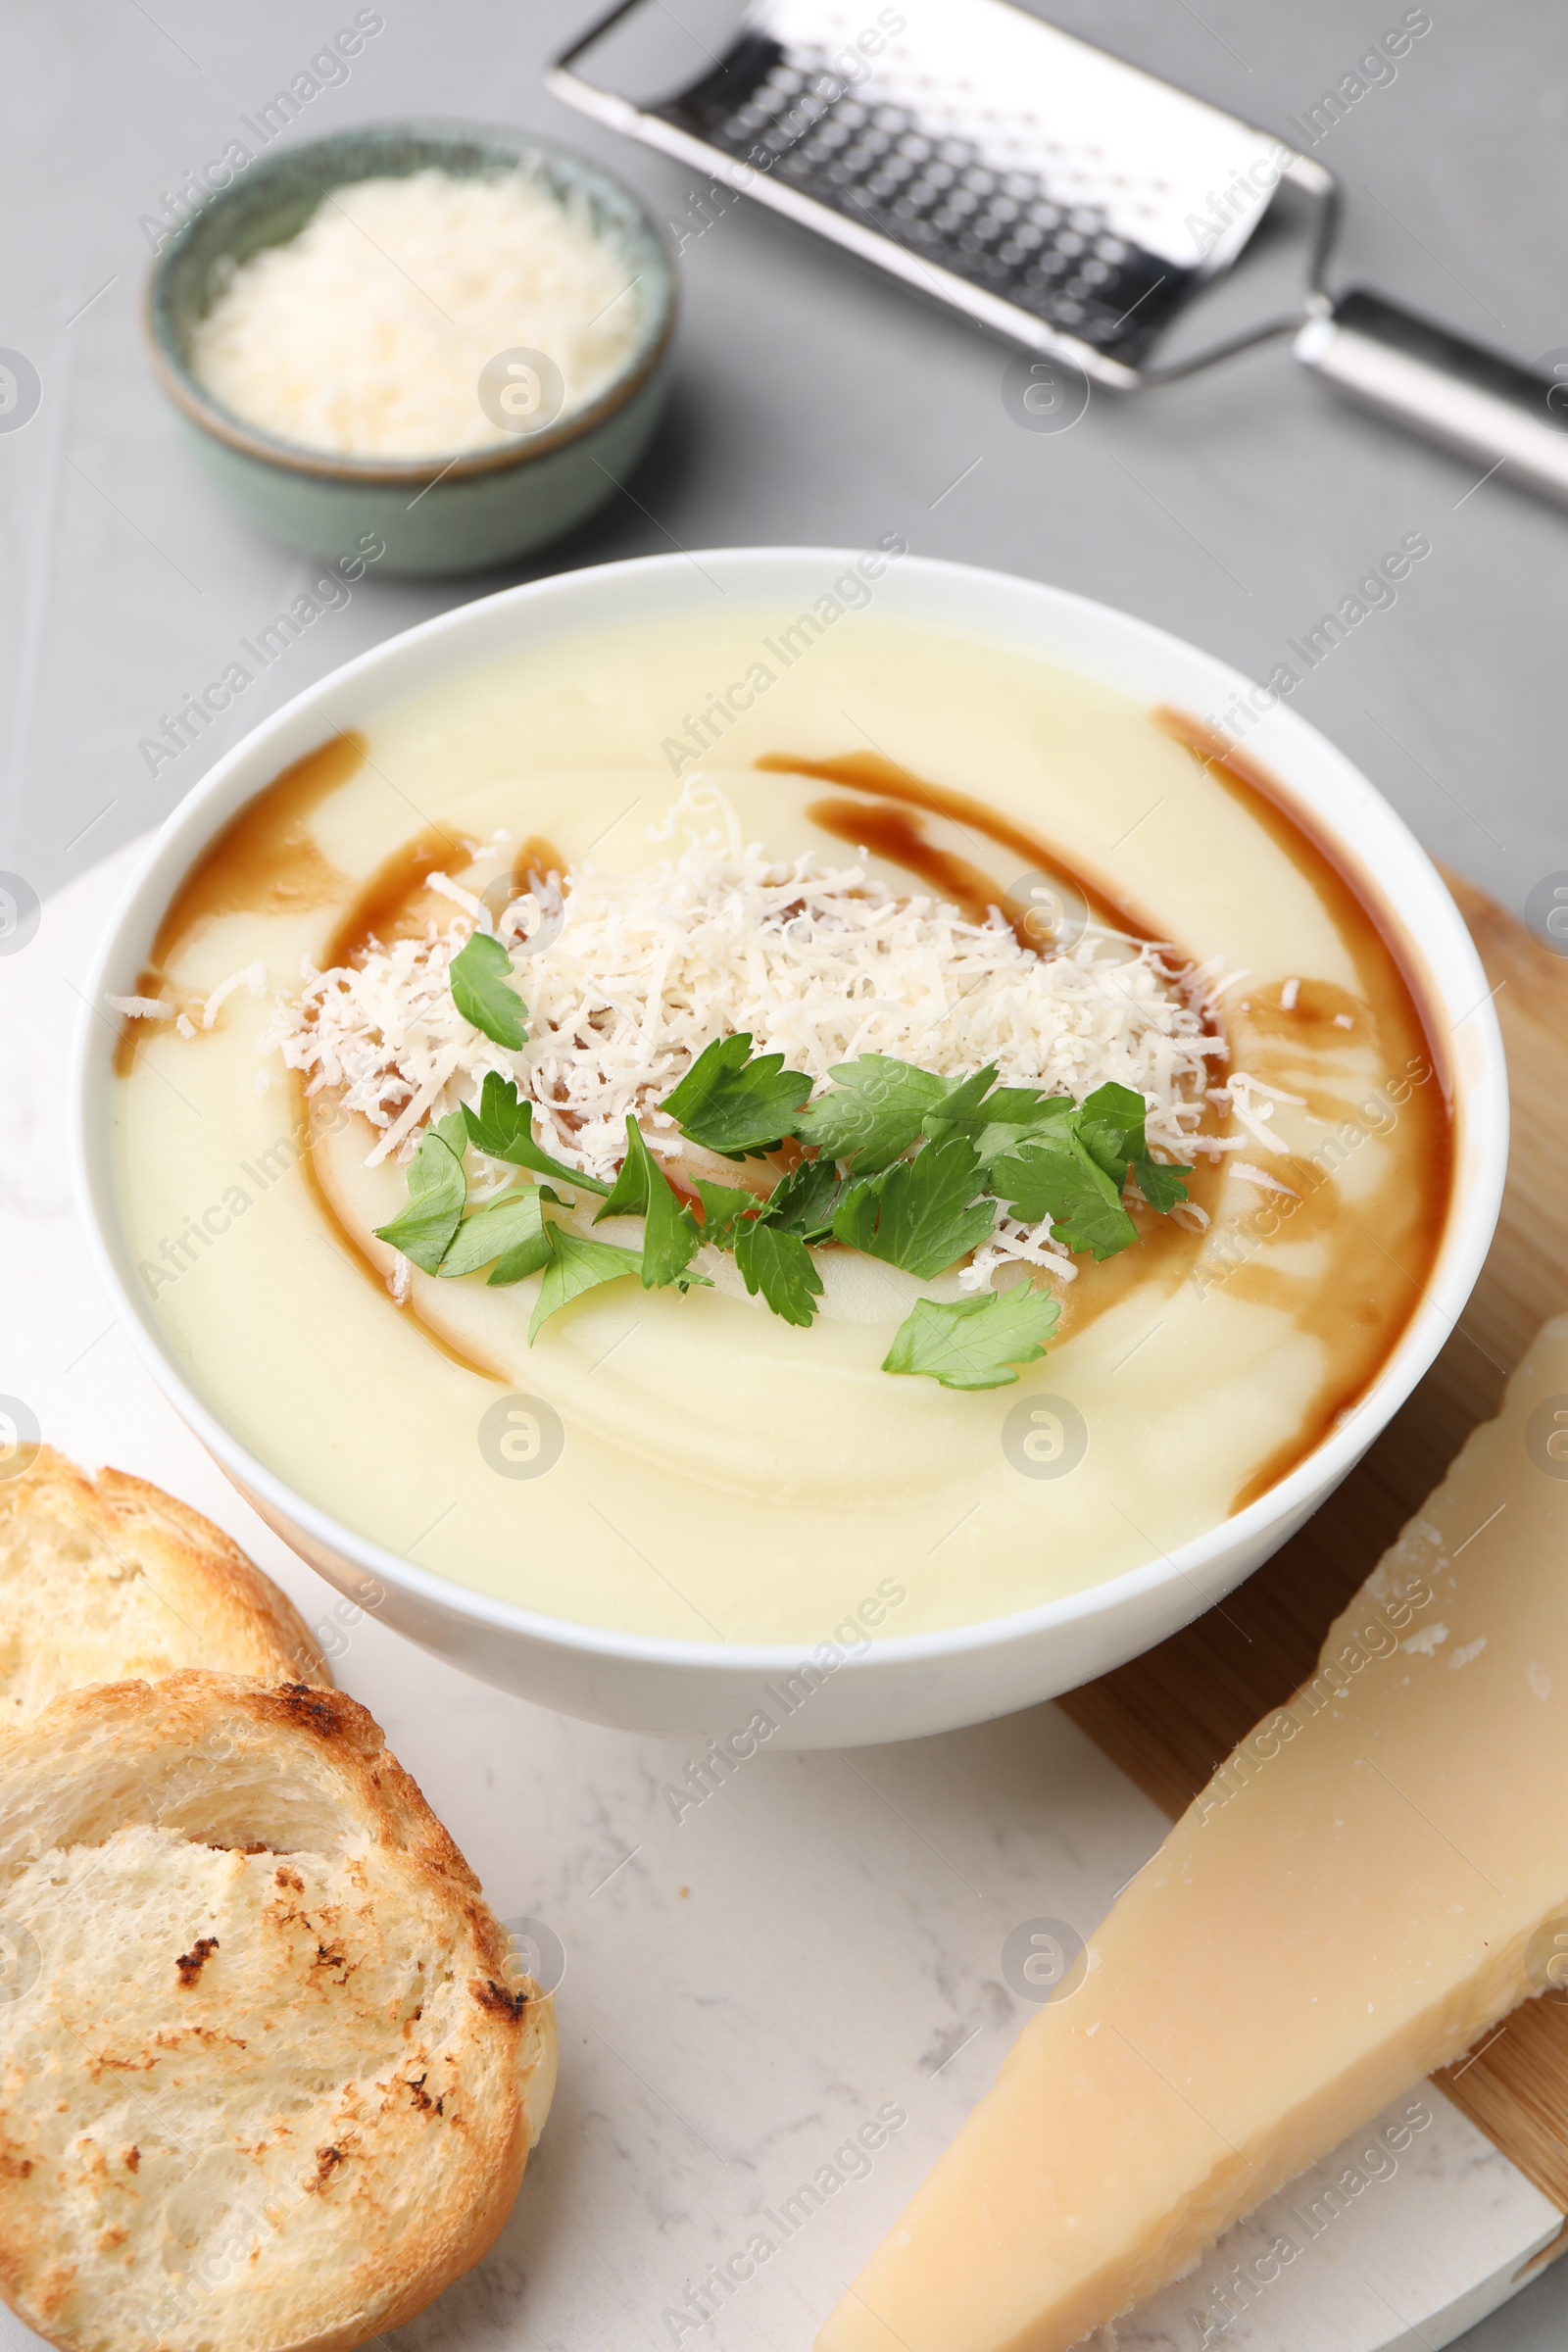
{"points": [[1373, 1878]]}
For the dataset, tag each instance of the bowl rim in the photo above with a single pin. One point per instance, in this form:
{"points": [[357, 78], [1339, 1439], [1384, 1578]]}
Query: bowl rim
{"points": [[1474, 1198], [181, 386]]}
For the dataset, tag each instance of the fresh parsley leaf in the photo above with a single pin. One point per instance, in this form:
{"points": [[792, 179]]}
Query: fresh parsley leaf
{"points": [[1115, 1114], [528, 1254], [996, 1119], [1110, 1129], [501, 1118], [512, 1228], [1007, 1128], [974, 1342], [779, 1265], [437, 1193], [960, 1113], [873, 1113], [1110, 1126], [735, 1104], [480, 978], [1053, 1176], [576, 1266], [502, 1129], [1022, 1107], [628, 1194], [806, 1200], [671, 1239], [453, 1133], [918, 1213], [671, 1235], [723, 1207], [1161, 1187]]}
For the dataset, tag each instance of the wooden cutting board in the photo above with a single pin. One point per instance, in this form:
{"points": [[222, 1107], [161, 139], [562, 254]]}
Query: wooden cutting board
{"points": [[1170, 1717]]}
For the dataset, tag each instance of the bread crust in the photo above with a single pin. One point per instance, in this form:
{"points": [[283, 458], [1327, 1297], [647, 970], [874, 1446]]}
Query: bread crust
{"points": [[275, 2078], [111, 1578]]}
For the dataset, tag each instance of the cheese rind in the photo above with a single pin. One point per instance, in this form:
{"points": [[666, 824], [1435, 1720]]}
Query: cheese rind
{"points": [[1358, 1893]]}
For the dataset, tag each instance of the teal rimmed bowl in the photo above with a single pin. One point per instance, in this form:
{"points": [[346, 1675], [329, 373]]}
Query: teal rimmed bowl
{"points": [[433, 515]]}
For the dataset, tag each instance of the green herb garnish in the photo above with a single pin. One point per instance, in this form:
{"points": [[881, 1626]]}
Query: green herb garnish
{"points": [[723, 1207], [1057, 1177], [957, 1111], [779, 1265], [1009, 1117], [1112, 1123], [576, 1266], [437, 1193], [512, 1230], [974, 1342], [671, 1235], [735, 1102], [873, 1113], [806, 1199], [480, 978], [628, 1194], [515, 1237], [996, 1119], [1161, 1187], [530, 1252], [502, 1129], [1074, 1171], [928, 1162], [769, 1236], [670, 1241], [921, 1213]]}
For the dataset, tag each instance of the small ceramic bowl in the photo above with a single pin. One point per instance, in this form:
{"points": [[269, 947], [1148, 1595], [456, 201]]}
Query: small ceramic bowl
{"points": [[434, 513]]}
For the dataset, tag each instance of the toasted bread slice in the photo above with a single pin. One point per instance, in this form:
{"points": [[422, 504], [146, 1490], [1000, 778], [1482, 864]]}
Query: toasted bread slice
{"points": [[108, 1580], [268, 2073]]}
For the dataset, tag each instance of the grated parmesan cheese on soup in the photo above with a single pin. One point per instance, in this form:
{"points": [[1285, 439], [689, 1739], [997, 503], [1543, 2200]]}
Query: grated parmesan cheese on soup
{"points": [[366, 333], [627, 977]]}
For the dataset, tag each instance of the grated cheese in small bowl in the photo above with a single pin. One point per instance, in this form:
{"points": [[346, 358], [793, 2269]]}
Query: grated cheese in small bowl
{"points": [[430, 345], [368, 334]]}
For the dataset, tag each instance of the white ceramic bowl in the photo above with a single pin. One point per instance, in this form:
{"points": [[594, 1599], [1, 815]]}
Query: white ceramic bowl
{"points": [[929, 1682]]}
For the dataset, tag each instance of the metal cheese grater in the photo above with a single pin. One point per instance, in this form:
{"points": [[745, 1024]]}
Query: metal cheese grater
{"points": [[1067, 201]]}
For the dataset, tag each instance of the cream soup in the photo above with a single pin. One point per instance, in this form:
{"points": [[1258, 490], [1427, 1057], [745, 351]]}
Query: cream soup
{"points": [[692, 1466]]}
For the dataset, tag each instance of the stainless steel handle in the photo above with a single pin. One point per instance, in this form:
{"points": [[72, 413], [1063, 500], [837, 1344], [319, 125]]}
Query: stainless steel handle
{"points": [[1438, 384]]}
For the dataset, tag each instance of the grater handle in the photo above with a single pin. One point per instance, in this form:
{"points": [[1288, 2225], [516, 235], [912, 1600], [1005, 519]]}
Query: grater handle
{"points": [[1435, 383]]}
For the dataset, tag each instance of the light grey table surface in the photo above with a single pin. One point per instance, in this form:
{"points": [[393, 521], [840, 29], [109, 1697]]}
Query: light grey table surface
{"points": [[816, 403]]}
